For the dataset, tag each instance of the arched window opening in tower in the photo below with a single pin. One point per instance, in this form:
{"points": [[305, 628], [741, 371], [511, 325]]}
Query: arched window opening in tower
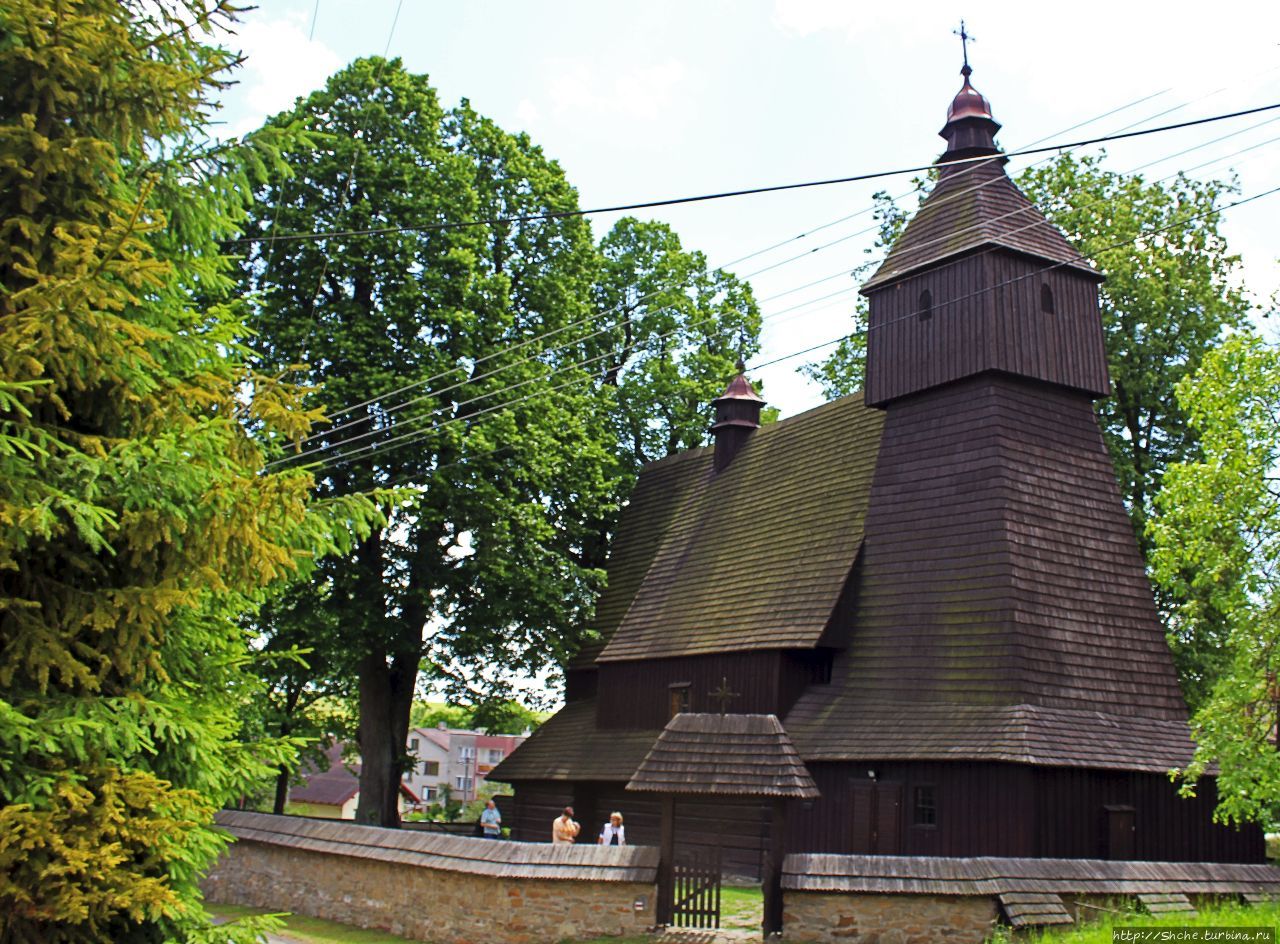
{"points": [[926, 305]]}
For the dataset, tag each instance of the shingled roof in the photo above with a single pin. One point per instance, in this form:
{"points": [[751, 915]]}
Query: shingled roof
{"points": [[569, 746], [943, 875], [658, 495], [723, 576], [724, 755], [974, 206]]}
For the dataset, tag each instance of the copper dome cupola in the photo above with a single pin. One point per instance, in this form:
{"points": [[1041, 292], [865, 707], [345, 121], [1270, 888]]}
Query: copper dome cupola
{"points": [[970, 130], [737, 417], [969, 102]]}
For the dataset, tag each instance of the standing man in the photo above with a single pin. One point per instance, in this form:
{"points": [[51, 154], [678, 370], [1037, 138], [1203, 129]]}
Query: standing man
{"points": [[564, 830], [491, 821]]}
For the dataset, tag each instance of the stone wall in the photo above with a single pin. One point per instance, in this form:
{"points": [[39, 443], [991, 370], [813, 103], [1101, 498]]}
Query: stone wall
{"points": [[867, 918], [387, 887]]}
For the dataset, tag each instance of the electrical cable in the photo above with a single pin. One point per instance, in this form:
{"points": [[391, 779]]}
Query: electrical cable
{"points": [[635, 303], [424, 416], [417, 435], [752, 191]]}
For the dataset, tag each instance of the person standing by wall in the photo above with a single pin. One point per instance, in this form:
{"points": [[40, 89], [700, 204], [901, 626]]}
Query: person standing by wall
{"points": [[564, 830], [613, 833], [491, 821]]}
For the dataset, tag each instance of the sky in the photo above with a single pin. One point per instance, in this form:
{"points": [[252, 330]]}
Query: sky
{"points": [[642, 101]]}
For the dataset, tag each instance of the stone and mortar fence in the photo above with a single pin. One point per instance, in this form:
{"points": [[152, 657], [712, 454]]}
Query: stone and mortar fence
{"points": [[435, 888]]}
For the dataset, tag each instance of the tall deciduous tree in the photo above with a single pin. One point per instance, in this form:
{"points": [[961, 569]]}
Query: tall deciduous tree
{"points": [[493, 425], [136, 522], [524, 357], [677, 330], [1217, 551], [1169, 296]]}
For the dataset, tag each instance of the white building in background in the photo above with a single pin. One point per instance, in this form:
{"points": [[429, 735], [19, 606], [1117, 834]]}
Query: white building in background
{"points": [[461, 759]]}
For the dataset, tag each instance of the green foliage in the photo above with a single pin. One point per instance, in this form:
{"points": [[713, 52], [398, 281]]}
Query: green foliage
{"points": [[1171, 293], [1217, 551], [677, 331], [492, 717], [484, 552], [513, 400], [136, 522], [1169, 296]]}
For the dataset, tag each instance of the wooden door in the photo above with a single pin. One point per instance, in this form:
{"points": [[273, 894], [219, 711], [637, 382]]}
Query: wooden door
{"points": [[876, 817], [1121, 832]]}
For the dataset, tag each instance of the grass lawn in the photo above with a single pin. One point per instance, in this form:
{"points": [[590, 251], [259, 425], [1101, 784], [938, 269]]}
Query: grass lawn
{"points": [[304, 930], [1223, 916]]}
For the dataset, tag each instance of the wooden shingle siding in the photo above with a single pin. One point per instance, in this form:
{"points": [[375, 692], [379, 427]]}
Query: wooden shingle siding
{"points": [[569, 746], [792, 502], [999, 569], [1034, 909], [642, 524], [724, 755], [973, 206]]}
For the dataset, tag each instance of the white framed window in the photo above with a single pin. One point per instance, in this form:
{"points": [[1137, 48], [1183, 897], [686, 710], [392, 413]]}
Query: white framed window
{"points": [[467, 753], [463, 783], [413, 744], [429, 793], [431, 768], [495, 755]]}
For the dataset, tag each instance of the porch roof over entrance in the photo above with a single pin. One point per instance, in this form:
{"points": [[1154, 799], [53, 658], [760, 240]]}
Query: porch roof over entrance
{"points": [[724, 755]]}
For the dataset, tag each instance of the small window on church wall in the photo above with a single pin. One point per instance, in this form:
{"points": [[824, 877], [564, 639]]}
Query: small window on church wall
{"points": [[1046, 299], [924, 810], [678, 699], [926, 305]]}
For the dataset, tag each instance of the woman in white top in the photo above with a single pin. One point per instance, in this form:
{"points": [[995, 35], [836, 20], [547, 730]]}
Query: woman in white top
{"points": [[613, 834]]}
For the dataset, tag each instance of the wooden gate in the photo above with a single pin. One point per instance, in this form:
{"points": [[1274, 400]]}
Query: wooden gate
{"points": [[695, 888]]}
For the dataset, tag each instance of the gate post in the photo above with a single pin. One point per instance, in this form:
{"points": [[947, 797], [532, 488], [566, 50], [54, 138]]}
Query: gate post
{"points": [[666, 862], [772, 884]]}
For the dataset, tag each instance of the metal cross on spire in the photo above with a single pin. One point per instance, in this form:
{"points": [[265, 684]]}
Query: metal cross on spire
{"points": [[723, 695], [965, 39]]}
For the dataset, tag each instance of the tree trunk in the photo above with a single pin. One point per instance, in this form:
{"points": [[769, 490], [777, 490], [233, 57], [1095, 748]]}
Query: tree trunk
{"points": [[386, 699], [282, 791]]}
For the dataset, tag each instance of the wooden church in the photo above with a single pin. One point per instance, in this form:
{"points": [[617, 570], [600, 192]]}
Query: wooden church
{"points": [[933, 585]]}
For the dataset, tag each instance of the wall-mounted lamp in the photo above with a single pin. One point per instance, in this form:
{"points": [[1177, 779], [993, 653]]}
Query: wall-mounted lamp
{"points": [[871, 774]]}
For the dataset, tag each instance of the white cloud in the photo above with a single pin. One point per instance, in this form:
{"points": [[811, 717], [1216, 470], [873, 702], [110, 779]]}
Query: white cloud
{"points": [[642, 93], [806, 17], [281, 63], [528, 112]]}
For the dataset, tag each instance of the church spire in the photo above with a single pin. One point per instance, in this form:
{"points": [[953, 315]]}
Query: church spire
{"points": [[970, 130]]}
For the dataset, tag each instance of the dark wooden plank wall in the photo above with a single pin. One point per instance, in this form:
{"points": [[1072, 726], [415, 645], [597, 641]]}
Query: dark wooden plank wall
{"points": [[740, 826], [537, 804], [982, 809], [1170, 828], [986, 315], [1063, 346], [635, 695], [1018, 810]]}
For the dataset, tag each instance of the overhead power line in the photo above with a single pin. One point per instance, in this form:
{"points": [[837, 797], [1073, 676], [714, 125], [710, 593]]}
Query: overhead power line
{"points": [[439, 410], [414, 436], [635, 303], [750, 191]]}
